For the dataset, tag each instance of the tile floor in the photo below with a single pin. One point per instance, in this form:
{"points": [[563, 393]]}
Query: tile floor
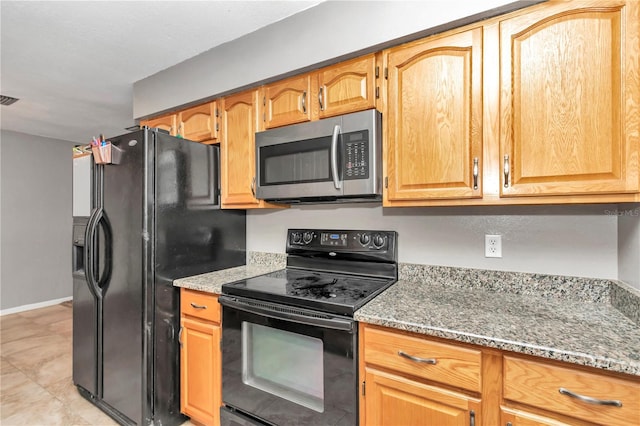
{"points": [[35, 371]]}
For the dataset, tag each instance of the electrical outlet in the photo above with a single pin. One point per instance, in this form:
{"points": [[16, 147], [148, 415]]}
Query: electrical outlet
{"points": [[493, 246]]}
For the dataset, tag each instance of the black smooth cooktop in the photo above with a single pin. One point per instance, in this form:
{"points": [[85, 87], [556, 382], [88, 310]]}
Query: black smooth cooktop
{"points": [[323, 291]]}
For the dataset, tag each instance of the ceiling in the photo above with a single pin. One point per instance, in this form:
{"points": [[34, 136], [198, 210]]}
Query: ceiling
{"points": [[72, 64]]}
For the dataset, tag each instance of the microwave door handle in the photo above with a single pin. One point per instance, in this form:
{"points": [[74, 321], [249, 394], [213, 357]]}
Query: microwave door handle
{"points": [[334, 157]]}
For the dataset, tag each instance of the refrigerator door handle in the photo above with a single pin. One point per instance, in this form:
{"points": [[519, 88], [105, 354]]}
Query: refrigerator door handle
{"points": [[103, 281], [89, 253]]}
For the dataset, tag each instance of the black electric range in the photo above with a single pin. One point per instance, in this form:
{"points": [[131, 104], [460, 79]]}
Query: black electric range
{"points": [[333, 271]]}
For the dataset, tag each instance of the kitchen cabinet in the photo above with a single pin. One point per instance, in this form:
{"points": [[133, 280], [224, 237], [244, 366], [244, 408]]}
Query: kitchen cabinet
{"points": [[343, 88], [200, 123], [348, 86], [571, 392], [165, 122], [200, 357], [433, 119], [569, 100], [287, 101], [413, 381], [538, 106], [237, 151]]}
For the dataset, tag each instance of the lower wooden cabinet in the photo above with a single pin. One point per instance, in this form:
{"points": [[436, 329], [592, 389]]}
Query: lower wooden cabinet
{"points": [[397, 401], [410, 379], [200, 357]]}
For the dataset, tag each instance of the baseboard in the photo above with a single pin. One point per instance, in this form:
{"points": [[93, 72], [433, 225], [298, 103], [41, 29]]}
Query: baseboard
{"points": [[33, 306]]}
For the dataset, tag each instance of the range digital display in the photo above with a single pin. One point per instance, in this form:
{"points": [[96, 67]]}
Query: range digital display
{"points": [[333, 239]]}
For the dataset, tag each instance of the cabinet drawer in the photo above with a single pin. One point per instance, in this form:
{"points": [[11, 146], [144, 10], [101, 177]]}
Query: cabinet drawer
{"points": [[439, 362], [539, 385], [200, 305]]}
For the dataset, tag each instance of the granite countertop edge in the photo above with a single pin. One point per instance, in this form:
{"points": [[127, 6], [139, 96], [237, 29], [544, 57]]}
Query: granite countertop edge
{"points": [[520, 347], [380, 311]]}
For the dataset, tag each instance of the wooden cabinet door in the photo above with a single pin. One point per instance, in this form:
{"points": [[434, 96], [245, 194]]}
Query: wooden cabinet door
{"points": [[434, 119], [199, 123], [569, 100], [167, 122], [510, 417], [200, 371], [398, 401], [237, 148], [347, 87], [287, 101]]}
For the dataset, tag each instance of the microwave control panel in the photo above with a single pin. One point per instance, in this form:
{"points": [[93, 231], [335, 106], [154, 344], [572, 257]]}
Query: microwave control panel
{"points": [[356, 155]]}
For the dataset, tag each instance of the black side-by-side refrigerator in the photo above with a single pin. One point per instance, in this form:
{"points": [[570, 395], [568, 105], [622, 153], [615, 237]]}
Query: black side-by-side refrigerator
{"points": [[155, 217]]}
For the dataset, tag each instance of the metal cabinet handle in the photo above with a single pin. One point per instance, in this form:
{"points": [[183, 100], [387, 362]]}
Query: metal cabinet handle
{"points": [[253, 186], [304, 101], [475, 173], [590, 400], [198, 306], [180, 336], [320, 101], [472, 418], [418, 359], [506, 171]]}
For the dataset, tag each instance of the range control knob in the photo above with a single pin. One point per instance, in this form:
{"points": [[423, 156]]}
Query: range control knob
{"points": [[307, 237], [296, 237], [378, 240], [365, 239]]}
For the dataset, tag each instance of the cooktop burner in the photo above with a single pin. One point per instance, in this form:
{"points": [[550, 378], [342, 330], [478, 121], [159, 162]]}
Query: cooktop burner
{"points": [[330, 271], [330, 292]]}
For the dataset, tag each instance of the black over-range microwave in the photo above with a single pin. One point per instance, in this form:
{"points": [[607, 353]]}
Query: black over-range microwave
{"points": [[337, 159]]}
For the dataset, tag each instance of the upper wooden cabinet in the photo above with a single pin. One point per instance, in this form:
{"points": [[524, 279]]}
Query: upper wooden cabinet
{"points": [[237, 148], [569, 100], [346, 87], [433, 119], [537, 106], [200, 123], [237, 152], [287, 102], [166, 122]]}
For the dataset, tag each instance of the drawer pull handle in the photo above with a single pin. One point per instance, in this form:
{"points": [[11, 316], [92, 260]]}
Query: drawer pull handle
{"points": [[417, 359], [590, 400], [198, 306]]}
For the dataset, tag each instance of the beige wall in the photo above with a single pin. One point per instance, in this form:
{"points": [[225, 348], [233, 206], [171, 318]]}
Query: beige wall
{"points": [[564, 240], [35, 219]]}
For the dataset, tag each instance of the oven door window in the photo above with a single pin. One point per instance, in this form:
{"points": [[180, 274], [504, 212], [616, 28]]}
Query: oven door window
{"points": [[296, 162], [283, 363]]}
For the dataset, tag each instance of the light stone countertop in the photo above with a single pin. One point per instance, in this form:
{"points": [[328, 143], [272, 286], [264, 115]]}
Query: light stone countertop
{"points": [[563, 318], [211, 282], [574, 331]]}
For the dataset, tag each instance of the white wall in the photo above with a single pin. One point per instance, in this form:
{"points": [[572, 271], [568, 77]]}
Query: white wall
{"points": [[629, 243], [564, 240], [35, 219], [333, 29]]}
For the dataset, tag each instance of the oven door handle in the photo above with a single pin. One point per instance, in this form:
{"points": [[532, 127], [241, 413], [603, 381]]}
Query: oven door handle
{"points": [[287, 313]]}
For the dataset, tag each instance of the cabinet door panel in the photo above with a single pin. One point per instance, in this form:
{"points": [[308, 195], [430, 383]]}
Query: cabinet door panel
{"points": [[199, 123], [564, 101], [200, 371], [510, 417], [167, 122], [237, 151], [287, 102], [434, 119], [395, 400], [347, 87]]}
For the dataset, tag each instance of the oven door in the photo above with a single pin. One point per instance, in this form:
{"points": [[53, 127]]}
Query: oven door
{"points": [[288, 366]]}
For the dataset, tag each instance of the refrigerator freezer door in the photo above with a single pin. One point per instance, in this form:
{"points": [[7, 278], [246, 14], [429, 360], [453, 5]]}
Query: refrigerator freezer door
{"points": [[123, 294]]}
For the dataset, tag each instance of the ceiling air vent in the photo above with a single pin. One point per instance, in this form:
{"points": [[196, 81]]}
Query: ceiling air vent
{"points": [[7, 100]]}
